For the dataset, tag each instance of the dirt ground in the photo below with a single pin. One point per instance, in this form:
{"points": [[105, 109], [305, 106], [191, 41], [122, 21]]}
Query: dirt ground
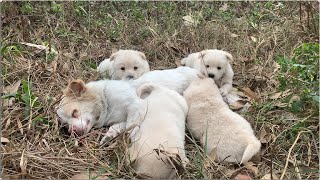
{"points": [[44, 45]]}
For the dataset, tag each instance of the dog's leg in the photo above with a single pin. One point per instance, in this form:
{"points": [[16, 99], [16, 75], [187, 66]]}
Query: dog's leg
{"points": [[113, 131], [134, 119]]}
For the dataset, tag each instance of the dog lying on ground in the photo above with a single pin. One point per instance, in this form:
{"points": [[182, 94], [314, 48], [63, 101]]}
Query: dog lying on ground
{"points": [[214, 64], [110, 102], [124, 64], [161, 130], [210, 120]]}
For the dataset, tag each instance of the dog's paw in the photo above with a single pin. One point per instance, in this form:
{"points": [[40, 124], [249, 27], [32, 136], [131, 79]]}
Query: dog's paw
{"points": [[112, 133], [223, 92]]}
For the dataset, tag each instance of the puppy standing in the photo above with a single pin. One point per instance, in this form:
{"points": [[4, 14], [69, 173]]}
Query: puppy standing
{"points": [[214, 64], [162, 129], [210, 120], [125, 64]]}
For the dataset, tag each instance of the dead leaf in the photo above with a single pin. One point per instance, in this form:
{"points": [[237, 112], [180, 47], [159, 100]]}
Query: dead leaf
{"points": [[237, 104], [23, 163], [20, 126], [254, 39], [91, 175], [265, 135], [52, 67], [281, 94], [247, 91], [178, 62], [224, 7], [250, 166], [281, 105], [242, 177], [189, 20], [234, 35], [4, 140], [268, 176], [11, 89], [41, 47]]}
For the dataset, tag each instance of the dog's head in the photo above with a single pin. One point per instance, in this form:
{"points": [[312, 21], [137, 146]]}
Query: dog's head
{"points": [[78, 108], [129, 64], [214, 63]]}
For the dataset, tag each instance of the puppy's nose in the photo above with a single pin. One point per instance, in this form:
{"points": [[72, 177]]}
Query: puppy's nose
{"points": [[130, 77], [211, 76]]}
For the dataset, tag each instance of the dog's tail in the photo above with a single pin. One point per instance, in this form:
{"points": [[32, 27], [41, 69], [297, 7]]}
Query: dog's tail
{"points": [[252, 148], [145, 90]]}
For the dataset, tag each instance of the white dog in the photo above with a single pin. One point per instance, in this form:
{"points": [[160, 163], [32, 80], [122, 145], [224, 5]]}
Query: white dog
{"points": [[210, 120], [161, 130], [97, 104], [125, 64], [214, 64], [110, 102]]}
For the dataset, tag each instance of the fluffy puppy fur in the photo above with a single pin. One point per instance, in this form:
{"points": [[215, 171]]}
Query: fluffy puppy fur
{"points": [[215, 64], [210, 119], [125, 64], [97, 104], [177, 79], [161, 130]]}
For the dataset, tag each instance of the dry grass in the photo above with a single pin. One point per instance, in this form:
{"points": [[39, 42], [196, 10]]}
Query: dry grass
{"points": [[83, 33]]}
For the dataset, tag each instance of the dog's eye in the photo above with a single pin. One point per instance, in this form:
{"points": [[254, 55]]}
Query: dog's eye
{"points": [[122, 68], [207, 66], [219, 67], [135, 68], [75, 113]]}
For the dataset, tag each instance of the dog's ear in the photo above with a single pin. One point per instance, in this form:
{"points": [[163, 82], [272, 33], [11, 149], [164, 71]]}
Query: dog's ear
{"points": [[181, 62], [202, 54], [113, 55], [229, 56], [75, 88], [201, 76], [142, 55], [145, 90]]}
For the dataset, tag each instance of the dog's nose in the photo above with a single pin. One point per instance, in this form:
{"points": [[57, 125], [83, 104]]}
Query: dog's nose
{"points": [[130, 77], [211, 76]]}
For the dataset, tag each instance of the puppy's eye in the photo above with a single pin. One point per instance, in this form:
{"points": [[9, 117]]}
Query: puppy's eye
{"points": [[219, 67], [207, 66], [135, 68], [122, 68], [75, 113]]}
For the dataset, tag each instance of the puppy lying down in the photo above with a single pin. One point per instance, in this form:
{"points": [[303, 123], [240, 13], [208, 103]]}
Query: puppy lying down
{"points": [[161, 130], [110, 102], [125, 65], [210, 120]]}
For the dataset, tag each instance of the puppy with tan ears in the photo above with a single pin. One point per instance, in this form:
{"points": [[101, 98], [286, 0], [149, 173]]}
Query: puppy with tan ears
{"points": [[215, 64], [210, 120], [125, 65], [161, 132]]}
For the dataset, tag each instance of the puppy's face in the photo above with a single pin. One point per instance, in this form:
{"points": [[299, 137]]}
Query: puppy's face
{"points": [[129, 64], [214, 63], [78, 109]]}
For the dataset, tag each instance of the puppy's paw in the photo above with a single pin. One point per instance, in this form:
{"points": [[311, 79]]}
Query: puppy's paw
{"points": [[223, 92], [112, 133]]}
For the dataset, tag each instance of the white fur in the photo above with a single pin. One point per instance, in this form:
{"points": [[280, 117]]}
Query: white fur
{"points": [[162, 128], [177, 79], [208, 61], [210, 120], [103, 103], [124, 64]]}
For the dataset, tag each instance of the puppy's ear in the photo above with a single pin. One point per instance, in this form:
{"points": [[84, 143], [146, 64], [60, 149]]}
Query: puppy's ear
{"points": [[75, 88], [201, 76], [142, 55], [229, 56], [145, 90], [181, 62], [202, 54], [113, 56]]}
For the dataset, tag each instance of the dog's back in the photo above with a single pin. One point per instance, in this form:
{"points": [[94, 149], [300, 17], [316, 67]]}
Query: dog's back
{"points": [[161, 131]]}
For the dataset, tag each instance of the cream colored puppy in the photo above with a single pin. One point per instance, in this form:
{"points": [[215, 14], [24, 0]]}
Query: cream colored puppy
{"points": [[125, 64], [161, 130], [210, 120], [215, 64]]}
